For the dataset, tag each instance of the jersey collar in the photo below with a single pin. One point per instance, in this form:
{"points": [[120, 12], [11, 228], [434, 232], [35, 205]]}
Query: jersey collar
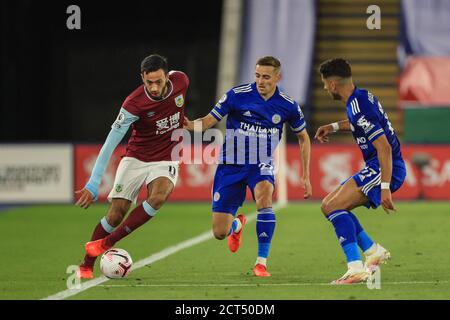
{"points": [[275, 94], [164, 98]]}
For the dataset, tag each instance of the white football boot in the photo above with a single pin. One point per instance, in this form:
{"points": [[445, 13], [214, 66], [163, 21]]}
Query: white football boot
{"points": [[354, 274], [373, 260]]}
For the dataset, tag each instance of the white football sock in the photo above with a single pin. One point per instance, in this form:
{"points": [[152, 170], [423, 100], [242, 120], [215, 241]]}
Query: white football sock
{"points": [[355, 264]]}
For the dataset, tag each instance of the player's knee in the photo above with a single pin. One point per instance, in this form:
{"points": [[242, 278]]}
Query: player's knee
{"points": [[326, 207], [219, 235], [157, 200], [116, 216]]}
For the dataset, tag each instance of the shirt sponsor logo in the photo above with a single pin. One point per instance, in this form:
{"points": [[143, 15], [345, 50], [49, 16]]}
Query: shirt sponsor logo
{"points": [[365, 124], [168, 123], [256, 131]]}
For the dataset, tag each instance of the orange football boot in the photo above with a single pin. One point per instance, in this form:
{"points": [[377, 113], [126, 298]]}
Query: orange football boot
{"points": [[260, 270], [96, 247], [85, 272]]}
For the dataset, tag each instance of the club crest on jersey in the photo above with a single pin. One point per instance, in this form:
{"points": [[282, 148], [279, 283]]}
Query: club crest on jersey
{"points": [[179, 101], [276, 118]]}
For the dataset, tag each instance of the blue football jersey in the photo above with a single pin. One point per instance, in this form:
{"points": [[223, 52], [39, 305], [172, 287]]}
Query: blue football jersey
{"points": [[368, 121], [254, 125]]}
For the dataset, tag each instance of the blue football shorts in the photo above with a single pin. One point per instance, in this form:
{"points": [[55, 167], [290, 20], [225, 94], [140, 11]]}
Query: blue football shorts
{"points": [[369, 181], [231, 181]]}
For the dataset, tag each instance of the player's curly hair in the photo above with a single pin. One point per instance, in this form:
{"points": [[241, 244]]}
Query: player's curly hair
{"points": [[337, 67], [153, 63]]}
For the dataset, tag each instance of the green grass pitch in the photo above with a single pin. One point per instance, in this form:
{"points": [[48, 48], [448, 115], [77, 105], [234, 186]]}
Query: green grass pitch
{"points": [[38, 243]]}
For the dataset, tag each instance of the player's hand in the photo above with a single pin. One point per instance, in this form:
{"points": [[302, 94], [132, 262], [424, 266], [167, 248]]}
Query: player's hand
{"points": [[85, 199], [308, 188], [323, 132], [188, 124], [386, 201]]}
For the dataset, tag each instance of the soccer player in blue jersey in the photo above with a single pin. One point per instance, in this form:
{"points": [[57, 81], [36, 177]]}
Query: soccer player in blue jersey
{"points": [[256, 114], [383, 174]]}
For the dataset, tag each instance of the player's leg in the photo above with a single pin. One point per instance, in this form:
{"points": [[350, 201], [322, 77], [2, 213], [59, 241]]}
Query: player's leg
{"points": [[377, 254], [336, 209], [158, 193], [130, 176], [228, 195], [261, 181], [363, 239], [265, 225], [222, 224], [116, 213]]}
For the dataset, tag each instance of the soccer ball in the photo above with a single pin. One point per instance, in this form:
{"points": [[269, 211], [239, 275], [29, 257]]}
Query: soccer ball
{"points": [[115, 263]]}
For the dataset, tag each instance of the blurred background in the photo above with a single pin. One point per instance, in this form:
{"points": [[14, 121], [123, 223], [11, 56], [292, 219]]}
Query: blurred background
{"points": [[61, 88]]}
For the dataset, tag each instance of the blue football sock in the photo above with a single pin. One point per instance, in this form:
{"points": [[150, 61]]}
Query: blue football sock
{"points": [[265, 226], [364, 241], [346, 233]]}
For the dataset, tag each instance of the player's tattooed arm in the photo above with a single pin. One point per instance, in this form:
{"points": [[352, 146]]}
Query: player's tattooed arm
{"points": [[323, 132], [200, 124]]}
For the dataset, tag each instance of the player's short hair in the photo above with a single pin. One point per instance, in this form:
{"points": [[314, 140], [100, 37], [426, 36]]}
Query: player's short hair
{"points": [[153, 63], [335, 67], [269, 61]]}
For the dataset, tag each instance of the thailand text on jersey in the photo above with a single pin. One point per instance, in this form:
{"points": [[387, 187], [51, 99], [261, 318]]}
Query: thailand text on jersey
{"points": [[156, 119], [254, 125], [368, 121]]}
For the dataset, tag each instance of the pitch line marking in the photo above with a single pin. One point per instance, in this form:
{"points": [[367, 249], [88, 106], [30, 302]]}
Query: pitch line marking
{"points": [[264, 284], [149, 260]]}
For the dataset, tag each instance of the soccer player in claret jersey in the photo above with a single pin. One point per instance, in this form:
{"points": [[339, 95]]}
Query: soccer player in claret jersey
{"points": [[383, 174], [153, 110], [256, 114]]}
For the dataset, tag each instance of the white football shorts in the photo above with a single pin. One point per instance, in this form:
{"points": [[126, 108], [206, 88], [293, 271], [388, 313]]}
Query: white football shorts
{"points": [[132, 173]]}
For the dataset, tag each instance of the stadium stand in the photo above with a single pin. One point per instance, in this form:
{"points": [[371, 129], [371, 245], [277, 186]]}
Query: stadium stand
{"points": [[342, 32]]}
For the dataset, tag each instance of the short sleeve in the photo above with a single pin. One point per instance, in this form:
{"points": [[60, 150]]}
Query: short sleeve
{"points": [[296, 119], [223, 106], [124, 121], [369, 125]]}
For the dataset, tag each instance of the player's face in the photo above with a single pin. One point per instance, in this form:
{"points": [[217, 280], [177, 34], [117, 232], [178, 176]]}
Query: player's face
{"points": [[330, 85], [267, 78], [156, 83]]}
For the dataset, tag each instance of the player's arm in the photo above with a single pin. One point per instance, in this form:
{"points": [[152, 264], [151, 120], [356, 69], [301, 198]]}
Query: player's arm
{"points": [[118, 130], [305, 147], [384, 153], [220, 110], [323, 131], [200, 124]]}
